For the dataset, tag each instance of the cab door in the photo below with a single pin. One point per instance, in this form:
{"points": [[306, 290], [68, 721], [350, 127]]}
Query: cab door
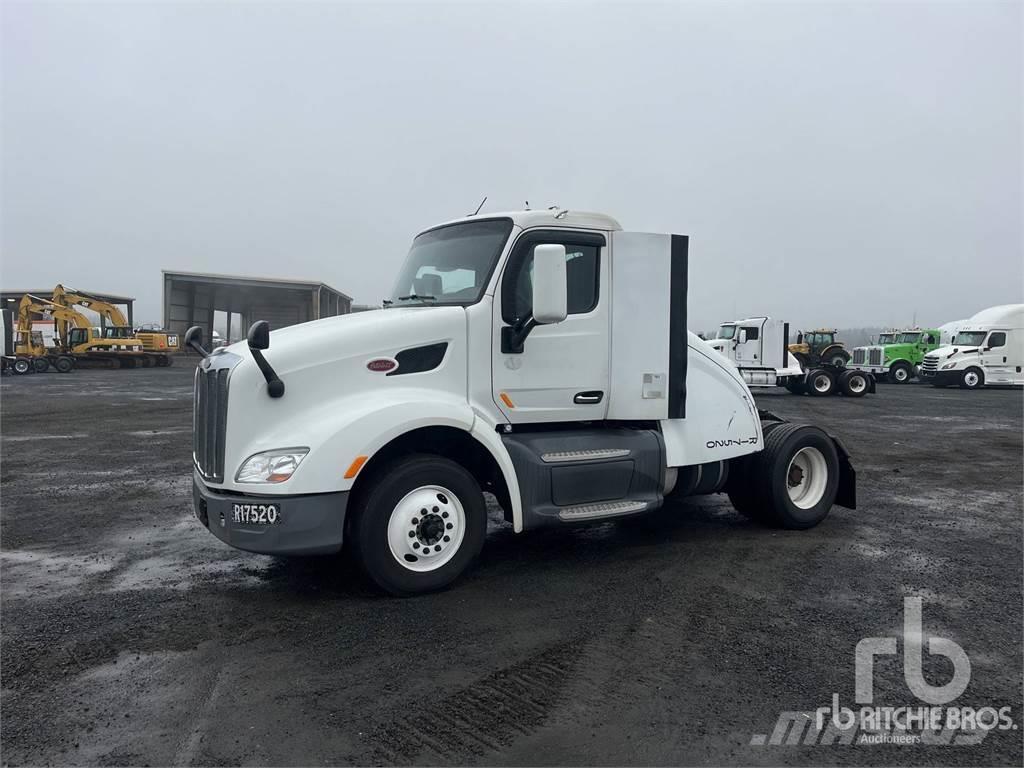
{"points": [[995, 359], [560, 374], [748, 345]]}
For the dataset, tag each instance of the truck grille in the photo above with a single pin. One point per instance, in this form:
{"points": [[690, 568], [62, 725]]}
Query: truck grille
{"points": [[875, 356], [858, 355], [209, 422], [930, 363]]}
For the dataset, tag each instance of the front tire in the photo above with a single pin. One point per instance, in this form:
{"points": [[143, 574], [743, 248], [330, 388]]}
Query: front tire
{"points": [[22, 366], [901, 373], [793, 482], [420, 524], [972, 378]]}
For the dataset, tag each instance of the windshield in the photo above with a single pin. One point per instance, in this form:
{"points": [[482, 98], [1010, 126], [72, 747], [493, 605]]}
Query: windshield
{"points": [[451, 265], [117, 332], [727, 331], [910, 338], [970, 338], [886, 338]]}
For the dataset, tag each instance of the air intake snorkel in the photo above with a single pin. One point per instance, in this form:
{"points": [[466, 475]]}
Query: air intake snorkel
{"points": [[258, 339]]}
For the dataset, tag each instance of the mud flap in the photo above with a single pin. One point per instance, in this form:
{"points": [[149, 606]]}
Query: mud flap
{"points": [[846, 494]]}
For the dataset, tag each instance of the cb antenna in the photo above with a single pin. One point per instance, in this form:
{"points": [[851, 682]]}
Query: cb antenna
{"points": [[480, 206]]}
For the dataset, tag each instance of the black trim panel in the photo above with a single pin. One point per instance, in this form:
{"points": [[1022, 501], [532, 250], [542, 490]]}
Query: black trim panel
{"points": [[677, 337], [419, 359]]}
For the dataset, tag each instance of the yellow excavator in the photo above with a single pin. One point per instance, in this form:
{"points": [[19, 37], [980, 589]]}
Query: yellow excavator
{"points": [[156, 347], [31, 355]]}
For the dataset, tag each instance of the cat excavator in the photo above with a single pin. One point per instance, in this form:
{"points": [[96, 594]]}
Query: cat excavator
{"points": [[31, 355], [156, 347]]}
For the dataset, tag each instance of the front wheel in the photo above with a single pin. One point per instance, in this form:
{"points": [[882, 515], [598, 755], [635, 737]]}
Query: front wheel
{"points": [[972, 378], [420, 525], [22, 366], [900, 373], [793, 482]]}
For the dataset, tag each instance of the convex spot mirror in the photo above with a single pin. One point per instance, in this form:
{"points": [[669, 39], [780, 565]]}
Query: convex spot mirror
{"points": [[259, 335], [549, 284]]}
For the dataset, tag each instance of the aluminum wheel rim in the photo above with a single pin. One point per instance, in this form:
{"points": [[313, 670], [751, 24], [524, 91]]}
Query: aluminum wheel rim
{"points": [[839, 362], [822, 384], [858, 384], [806, 477], [971, 379], [426, 528], [901, 374]]}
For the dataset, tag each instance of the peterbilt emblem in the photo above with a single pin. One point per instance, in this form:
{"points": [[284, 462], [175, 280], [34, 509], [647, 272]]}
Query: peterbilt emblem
{"points": [[382, 364]]}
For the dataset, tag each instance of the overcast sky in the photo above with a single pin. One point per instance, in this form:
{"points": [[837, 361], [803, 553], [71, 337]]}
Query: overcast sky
{"points": [[837, 164]]}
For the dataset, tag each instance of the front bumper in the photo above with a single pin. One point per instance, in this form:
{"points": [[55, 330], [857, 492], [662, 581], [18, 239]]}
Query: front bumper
{"points": [[940, 377], [877, 370], [310, 524]]}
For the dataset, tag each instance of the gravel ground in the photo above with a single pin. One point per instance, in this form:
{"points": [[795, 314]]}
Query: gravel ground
{"points": [[131, 636]]}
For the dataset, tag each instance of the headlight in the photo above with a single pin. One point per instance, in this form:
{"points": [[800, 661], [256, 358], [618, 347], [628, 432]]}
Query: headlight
{"points": [[947, 366], [271, 466]]}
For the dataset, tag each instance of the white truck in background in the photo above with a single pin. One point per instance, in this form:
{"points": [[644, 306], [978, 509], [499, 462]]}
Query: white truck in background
{"points": [[541, 356], [987, 350], [759, 348]]}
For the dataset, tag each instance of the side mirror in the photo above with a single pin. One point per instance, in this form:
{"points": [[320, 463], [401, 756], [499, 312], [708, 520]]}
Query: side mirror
{"points": [[549, 284], [194, 340], [259, 335]]}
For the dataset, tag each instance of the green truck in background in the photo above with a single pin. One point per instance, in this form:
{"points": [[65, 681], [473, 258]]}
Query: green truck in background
{"points": [[897, 360]]}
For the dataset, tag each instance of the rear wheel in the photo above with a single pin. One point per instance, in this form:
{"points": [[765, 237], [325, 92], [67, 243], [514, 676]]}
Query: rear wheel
{"points": [[793, 482], [420, 525], [901, 373], [837, 360], [40, 364], [820, 383], [64, 364], [853, 383], [22, 366], [972, 378]]}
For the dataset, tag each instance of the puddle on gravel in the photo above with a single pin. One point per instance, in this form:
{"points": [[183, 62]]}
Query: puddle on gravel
{"points": [[28, 572]]}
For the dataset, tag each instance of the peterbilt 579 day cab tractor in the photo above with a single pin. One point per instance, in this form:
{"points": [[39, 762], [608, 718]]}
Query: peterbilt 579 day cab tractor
{"points": [[541, 356], [987, 350], [897, 360], [759, 348]]}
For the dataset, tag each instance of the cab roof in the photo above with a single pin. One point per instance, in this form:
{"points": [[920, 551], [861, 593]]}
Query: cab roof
{"points": [[548, 217]]}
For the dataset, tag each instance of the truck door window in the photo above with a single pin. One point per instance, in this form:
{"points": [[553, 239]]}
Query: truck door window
{"points": [[997, 339], [582, 278], [750, 334]]}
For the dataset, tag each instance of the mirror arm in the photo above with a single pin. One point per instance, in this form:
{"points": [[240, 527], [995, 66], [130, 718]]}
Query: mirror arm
{"points": [[513, 336], [275, 387]]}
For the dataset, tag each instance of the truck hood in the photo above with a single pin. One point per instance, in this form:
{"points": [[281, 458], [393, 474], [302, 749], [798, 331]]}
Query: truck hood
{"points": [[377, 333], [945, 352]]}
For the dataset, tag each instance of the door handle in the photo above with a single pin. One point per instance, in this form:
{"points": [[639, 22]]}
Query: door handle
{"points": [[593, 397]]}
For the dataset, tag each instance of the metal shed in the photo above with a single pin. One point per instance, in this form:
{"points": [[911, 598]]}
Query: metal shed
{"points": [[193, 298]]}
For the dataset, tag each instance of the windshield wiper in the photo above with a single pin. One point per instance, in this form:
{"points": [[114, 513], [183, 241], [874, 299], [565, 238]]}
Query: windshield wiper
{"points": [[417, 297]]}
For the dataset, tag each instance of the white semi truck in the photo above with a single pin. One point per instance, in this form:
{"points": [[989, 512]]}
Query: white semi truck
{"points": [[759, 348], [987, 350], [541, 356]]}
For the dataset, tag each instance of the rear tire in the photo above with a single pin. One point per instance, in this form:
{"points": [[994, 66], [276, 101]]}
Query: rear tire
{"points": [[901, 373], [854, 383], [793, 482], [419, 525], [821, 383], [837, 360], [40, 364], [796, 385], [972, 378], [740, 487], [64, 364]]}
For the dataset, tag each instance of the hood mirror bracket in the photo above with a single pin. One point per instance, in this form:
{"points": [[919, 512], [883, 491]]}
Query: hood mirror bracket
{"points": [[258, 339]]}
